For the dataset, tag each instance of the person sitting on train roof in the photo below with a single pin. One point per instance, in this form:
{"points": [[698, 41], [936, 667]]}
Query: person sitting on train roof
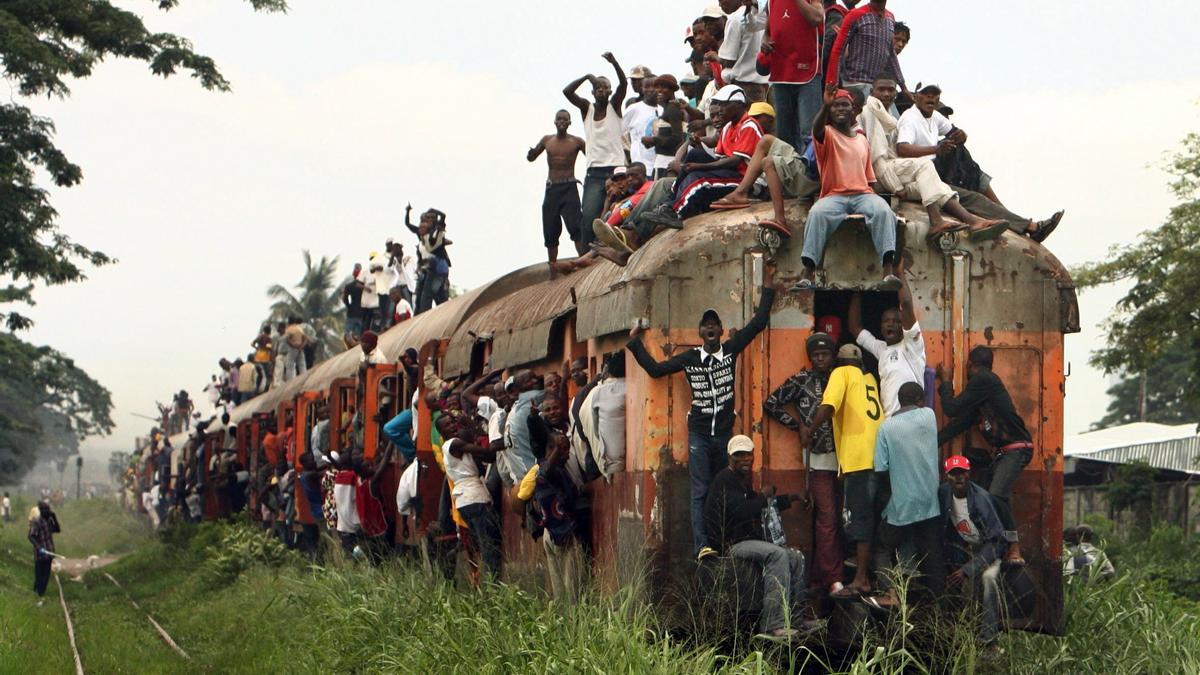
{"points": [[985, 402], [804, 391], [906, 461], [784, 171], [851, 402], [628, 230], [847, 187], [973, 540], [925, 133], [471, 498], [711, 371], [605, 151], [731, 516], [705, 177], [916, 179], [518, 455], [560, 205], [901, 352]]}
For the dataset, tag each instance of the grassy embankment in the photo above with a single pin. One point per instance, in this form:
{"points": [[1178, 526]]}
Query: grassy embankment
{"points": [[239, 603]]}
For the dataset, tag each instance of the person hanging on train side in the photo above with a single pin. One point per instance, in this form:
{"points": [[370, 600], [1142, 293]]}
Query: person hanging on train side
{"points": [[974, 539], [851, 401], [461, 455], [985, 403], [901, 352], [732, 515], [804, 392], [711, 371]]}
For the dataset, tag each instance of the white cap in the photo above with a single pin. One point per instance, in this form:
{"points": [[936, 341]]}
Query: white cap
{"points": [[730, 92], [739, 444], [713, 12]]}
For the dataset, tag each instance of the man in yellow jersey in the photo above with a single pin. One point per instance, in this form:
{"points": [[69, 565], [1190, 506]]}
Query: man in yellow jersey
{"points": [[851, 400]]}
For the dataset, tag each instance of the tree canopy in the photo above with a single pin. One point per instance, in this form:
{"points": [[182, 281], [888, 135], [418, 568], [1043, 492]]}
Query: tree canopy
{"points": [[316, 302], [1166, 382], [1161, 311], [43, 45]]}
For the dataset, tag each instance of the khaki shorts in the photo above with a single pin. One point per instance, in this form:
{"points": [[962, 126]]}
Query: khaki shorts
{"points": [[796, 182]]}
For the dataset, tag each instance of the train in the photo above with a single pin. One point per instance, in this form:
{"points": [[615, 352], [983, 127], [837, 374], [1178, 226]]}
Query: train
{"points": [[1010, 294]]}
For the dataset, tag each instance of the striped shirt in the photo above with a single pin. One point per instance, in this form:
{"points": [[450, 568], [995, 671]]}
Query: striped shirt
{"points": [[865, 39]]}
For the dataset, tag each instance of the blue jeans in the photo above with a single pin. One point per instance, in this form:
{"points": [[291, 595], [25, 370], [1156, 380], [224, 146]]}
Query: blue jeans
{"points": [[432, 288], [707, 455], [1006, 469], [593, 202], [827, 215], [796, 106]]}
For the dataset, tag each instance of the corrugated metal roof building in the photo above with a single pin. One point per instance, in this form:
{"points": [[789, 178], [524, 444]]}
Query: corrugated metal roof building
{"points": [[1162, 446]]}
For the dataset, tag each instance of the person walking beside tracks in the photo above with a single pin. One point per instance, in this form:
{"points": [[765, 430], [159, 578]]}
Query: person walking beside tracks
{"points": [[43, 525]]}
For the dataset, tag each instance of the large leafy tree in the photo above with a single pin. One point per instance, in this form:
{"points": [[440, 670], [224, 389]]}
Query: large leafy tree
{"points": [[46, 405], [1160, 314], [43, 45], [317, 301]]}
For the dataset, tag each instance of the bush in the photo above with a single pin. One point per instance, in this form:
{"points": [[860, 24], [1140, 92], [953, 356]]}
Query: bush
{"points": [[240, 548]]}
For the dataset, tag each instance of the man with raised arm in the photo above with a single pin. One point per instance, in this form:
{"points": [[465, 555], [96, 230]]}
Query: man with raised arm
{"points": [[602, 132], [711, 373], [561, 204], [847, 187], [901, 352]]}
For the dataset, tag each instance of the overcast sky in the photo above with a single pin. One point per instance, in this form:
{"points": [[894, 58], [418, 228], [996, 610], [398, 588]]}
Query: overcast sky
{"points": [[344, 111]]}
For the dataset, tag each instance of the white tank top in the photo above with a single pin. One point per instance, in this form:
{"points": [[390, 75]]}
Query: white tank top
{"points": [[468, 486], [604, 144]]}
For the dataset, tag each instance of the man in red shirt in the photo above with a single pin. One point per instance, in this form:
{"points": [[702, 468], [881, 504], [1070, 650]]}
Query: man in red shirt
{"points": [[792, 48], [847, 187], [705, 177]]}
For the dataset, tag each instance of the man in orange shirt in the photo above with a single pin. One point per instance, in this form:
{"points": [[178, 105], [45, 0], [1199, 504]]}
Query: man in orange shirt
{"points": [[847, 187]]}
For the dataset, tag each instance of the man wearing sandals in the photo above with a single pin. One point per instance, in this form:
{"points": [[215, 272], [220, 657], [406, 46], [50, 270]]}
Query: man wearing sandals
{"points": [[914, 179], [985, 401], [926, 135], [783, 168], [847, 187]]}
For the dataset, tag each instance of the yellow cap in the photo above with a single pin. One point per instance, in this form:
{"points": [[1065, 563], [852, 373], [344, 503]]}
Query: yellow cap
{"points": [[762, 108]]}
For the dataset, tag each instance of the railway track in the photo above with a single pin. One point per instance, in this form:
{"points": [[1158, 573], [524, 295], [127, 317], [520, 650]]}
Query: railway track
{"points": [[71, 629]]}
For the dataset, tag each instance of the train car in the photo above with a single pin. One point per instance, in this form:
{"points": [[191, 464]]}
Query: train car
{"points": [[1011, 294]]}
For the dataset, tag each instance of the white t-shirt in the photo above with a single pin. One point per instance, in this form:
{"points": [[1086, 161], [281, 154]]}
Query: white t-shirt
{"points": [[408, 273], [604, 146], [741, 46], [899, 363], [347, 510], [404, 309], [962, 520], [407, 490], [638, 119], [495, 427], [825, 461], [915, 129], [468, 485]]}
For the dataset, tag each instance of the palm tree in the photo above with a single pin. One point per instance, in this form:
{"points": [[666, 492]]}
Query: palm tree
{"points": [[318, 302]]}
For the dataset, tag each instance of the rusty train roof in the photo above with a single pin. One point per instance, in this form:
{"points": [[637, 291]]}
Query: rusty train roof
{"points": [[517, 311]]}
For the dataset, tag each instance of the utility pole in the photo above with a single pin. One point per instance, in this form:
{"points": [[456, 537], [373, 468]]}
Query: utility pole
{"points": [[78, 474], [1142, 398]]}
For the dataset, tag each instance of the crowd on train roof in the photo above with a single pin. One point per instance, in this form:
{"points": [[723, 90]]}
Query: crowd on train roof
{"points": [[791, 99]]}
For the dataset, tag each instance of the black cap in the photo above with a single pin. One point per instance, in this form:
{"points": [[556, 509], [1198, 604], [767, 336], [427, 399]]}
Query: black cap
{"points": [[820, 341], [710, 312]]}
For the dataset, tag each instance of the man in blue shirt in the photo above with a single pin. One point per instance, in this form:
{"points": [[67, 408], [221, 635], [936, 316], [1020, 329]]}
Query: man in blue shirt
{"points": [[906, 455]]}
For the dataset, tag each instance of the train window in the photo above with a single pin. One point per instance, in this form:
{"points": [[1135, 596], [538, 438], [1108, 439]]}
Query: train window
{"points": [[837, 304]]}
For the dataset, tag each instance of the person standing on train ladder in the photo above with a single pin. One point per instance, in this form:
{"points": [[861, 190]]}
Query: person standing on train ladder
{"points": [[711, 373]]}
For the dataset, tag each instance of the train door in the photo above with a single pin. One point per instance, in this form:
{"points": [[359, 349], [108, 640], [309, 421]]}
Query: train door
{"points": [[305, 408], [341, 410], [212, 448]]}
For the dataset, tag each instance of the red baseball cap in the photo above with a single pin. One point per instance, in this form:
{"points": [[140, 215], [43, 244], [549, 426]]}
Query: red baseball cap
{"points": [[957, 462], [832, 326]]}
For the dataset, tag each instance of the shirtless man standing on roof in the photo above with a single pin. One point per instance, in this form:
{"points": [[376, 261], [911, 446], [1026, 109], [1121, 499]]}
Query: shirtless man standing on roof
{"points": [[561, 204]]}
